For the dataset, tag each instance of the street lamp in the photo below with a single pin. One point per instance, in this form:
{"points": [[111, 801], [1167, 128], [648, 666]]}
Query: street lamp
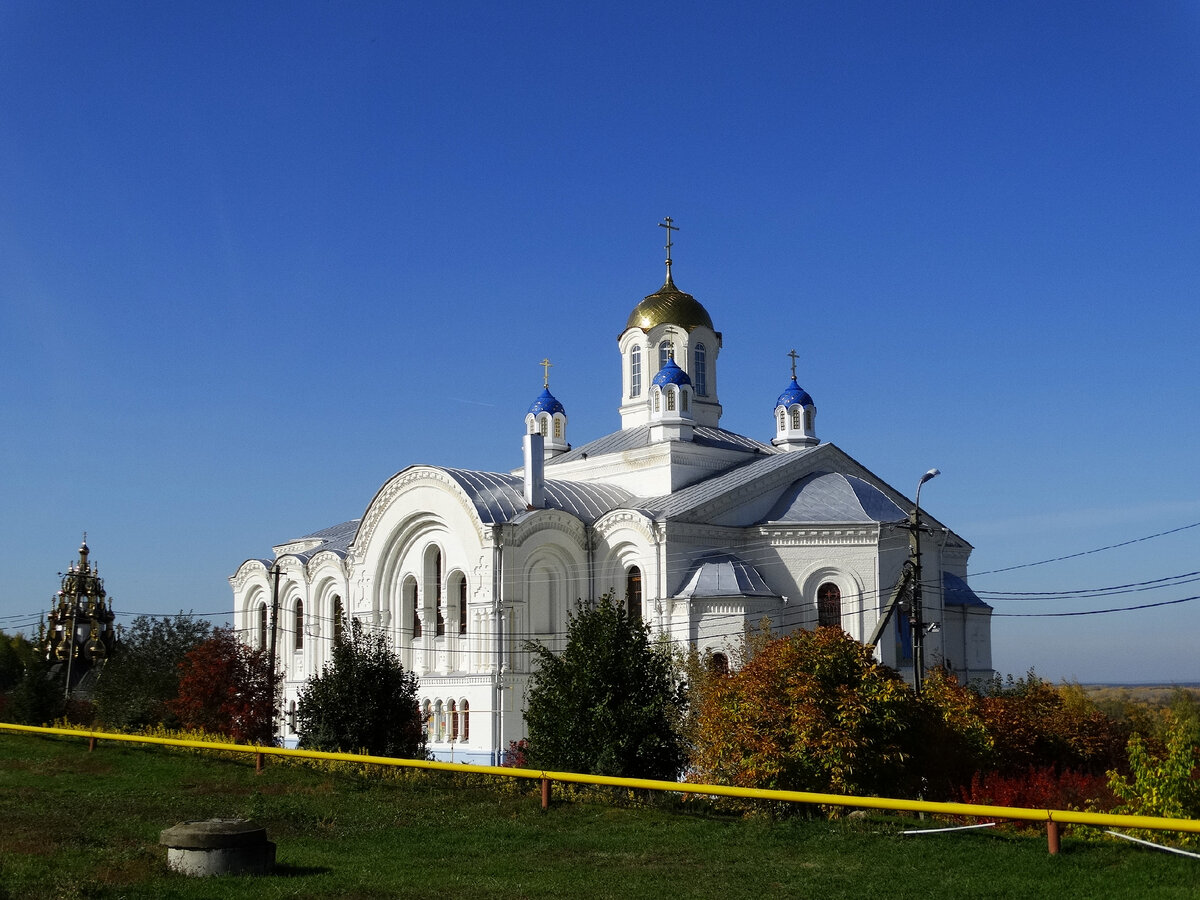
{"points": [[915, 613]]}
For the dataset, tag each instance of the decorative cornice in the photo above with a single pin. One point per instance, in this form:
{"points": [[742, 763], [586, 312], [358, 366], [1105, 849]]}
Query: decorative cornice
{"points": [[808, 536]]}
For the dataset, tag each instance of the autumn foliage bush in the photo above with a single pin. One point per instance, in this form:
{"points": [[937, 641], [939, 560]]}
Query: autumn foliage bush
{"points": [[811, 711]]}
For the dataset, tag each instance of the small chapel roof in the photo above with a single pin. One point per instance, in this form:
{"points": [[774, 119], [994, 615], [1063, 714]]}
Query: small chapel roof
{"points": [[724, 575], [834, 497]]}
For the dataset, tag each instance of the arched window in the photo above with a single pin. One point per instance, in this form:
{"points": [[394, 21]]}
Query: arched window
{"points": [[700, 375], [431, 596], [299, 623], [809, 416], [635, 371], [464, 711], [410, 600], [655, 393], [439, 722], [795, 417], [437, 570], [683, 400], [558, 428], [719, 664], [462, 606], [339, 618], [262, 626], [670, 399], [542, 425], [426, 719], [829, 604], [782, 421], [453, 714], [666, 350], [633, 593]]}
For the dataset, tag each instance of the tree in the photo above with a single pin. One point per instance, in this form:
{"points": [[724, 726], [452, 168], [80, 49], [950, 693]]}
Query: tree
{"points": [[609, 704], [226, 687], [141, 678], [30, 692], [811, 711], [363, 700]]}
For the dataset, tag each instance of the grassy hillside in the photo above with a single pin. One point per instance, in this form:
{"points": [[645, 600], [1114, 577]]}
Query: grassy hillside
{"points": [[79, 824]]}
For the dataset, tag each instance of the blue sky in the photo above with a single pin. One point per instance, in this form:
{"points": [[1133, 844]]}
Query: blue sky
{"points": [[254, 259]]}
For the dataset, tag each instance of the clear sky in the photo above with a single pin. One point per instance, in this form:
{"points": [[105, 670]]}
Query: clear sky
{"points": [[256, 258]]}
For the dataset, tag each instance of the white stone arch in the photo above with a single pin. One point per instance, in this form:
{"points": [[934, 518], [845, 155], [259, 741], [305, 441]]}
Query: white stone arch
{"points": [[547, 583], [328, 582], [257, 598]]}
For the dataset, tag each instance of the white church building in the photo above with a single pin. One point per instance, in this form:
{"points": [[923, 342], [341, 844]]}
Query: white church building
{"points": [[701, 530]]}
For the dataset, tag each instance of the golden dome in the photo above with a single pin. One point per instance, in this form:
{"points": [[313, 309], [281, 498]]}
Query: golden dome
{"points": [[670, 305]]}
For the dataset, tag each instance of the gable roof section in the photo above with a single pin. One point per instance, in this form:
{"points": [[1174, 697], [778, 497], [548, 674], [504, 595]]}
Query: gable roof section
{"points": [[689, 501], [636, 438]]}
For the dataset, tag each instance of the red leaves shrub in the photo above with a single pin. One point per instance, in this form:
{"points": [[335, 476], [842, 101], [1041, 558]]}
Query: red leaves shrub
{"points": [[227, 688], [1040, 787], [1035, 724]]}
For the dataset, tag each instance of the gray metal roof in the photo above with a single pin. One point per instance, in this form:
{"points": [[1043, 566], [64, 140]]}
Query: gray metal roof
{"points": [[724, 575], [834, 497], [499, 497], [638, 437], [958, 593], [335, 538]]}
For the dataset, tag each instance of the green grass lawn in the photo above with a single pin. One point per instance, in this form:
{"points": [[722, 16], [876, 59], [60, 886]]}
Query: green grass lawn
{"points": [[79, 824]]}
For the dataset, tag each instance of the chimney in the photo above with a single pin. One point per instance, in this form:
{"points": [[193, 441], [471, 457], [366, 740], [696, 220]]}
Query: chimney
{"points": [[535, 468]]}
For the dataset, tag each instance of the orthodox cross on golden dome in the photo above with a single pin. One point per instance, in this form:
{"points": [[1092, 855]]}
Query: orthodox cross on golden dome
{"points": [[666, 223], [546, 364], [795, 356]]}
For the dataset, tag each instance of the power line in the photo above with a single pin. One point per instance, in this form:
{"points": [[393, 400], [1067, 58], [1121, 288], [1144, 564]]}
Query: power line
{"points": [[1096, 612], [1043, 562]]}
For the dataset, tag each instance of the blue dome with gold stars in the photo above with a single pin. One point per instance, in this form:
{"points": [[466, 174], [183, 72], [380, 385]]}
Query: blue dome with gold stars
{"points": [[671, 374], [546, 403], [794, 394]]}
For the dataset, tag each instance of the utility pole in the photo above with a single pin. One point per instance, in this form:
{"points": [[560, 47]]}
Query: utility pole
{"points": [[916, 615], [275, 572]]}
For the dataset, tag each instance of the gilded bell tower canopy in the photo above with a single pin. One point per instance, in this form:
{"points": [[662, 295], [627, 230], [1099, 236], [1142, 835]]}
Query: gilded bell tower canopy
{"points": [[669, 305]]}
